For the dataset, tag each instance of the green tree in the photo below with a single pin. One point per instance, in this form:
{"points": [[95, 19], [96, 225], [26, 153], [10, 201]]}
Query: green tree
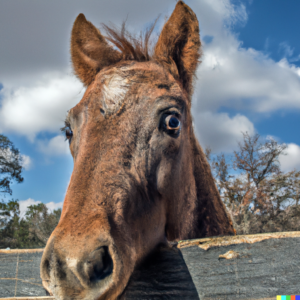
{"points": [[32, 231], [10, 165], [41, 221], [14, 231]]}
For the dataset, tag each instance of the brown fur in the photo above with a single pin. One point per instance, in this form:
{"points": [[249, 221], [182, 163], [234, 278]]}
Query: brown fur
{"points": [[134, 184]]}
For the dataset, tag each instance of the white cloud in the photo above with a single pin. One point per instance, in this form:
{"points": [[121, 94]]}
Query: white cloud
{"points": [[245, 79], [9, 156], [26, 162], [236, 77], [219, 131], [53, 206], [290, 161], [23, 204], [41, 106], [214, 14], [229, 76], [43, 43], [54, 147]]}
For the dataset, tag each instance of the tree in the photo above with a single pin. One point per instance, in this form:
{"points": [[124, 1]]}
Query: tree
{"points": [[14, 231], [42, 222], [252, 185], [10, 165], [32, 231]]}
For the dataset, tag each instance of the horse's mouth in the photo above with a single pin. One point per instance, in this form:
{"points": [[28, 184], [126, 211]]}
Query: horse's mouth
{"points": [[75, 291]]}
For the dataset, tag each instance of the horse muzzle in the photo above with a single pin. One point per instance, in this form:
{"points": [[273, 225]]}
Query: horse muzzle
{"points": [[75, 272]]}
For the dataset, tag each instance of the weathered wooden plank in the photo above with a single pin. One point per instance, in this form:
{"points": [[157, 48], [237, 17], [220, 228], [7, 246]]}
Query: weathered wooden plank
{"points": [[208, 242], [262, 266], [242, 267], [163, 271]]}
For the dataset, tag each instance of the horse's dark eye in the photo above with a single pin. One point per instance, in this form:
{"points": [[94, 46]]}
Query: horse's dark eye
{"points": [[69, 133], [172, 123]]}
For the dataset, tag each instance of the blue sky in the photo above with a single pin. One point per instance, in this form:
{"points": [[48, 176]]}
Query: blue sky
{"points": [[249, 79], [272, 28]]}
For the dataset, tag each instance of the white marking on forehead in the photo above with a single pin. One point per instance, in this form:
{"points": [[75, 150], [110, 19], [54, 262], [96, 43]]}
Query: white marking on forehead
{"points": [[114, 90], [71, 263]]}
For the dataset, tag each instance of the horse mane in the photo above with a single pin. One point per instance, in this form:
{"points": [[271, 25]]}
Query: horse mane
{"points": [[132, 47]]}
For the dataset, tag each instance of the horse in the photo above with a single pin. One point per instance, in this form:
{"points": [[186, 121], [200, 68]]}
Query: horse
{"points": [[140, 177]]}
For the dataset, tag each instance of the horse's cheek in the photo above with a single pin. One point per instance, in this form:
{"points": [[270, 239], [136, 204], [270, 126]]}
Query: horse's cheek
{"points": [[163, 177]]}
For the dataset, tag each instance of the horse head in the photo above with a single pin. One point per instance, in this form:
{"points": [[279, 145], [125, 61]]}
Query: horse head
{"points": [[140, 177]]}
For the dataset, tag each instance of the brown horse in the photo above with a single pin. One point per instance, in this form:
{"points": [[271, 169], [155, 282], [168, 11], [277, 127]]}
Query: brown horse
{"points": [[140, 177]]}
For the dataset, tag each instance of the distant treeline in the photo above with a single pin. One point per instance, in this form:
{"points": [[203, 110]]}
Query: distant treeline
{"points": [[31, 231]]}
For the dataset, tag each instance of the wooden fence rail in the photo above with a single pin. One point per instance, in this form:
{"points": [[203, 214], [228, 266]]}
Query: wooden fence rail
{"points": [[259, 266]]}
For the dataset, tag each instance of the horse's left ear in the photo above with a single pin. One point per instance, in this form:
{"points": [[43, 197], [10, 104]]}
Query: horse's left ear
{"points": [[89, 50], [179, 46]]}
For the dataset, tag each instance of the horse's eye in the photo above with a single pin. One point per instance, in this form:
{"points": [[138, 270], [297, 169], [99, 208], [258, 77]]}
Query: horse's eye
{"points": [[172, 123], [69, 133]]}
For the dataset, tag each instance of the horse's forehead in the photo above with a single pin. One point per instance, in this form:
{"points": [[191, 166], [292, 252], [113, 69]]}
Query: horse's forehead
{"points": [[111, 86]]}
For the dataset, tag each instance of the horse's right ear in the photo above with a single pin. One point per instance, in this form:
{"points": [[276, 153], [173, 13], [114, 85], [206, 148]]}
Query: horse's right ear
{"points": [[89, 50], [178, 47]]}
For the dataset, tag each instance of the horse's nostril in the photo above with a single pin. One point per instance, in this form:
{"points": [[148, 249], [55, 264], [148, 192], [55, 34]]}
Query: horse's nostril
{"points": [[46, 267], [99, 264]]}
